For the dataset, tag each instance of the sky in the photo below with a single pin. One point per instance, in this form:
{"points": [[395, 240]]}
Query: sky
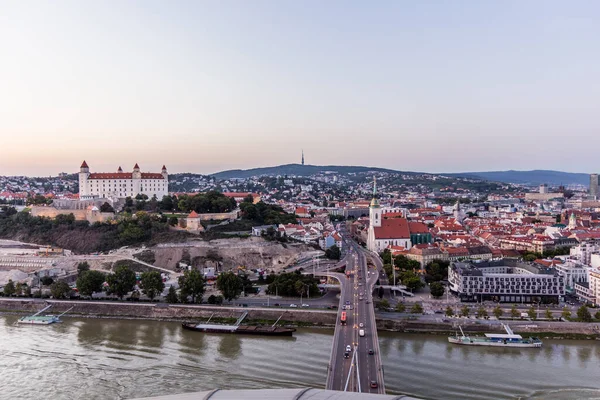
{"points": [[204, 86]]}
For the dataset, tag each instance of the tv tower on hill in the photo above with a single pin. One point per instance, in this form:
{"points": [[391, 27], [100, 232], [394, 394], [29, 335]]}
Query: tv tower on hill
{"points": [[302, 156]]}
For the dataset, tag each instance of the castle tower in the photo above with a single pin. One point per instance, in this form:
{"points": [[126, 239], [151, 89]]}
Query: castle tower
{"points": [[120, 169], [374, 218], [164, 173], [84, 172]]}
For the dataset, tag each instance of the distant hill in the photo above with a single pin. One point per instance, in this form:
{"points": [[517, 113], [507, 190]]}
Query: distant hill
{"points": [[297, 170], [535, 177]]}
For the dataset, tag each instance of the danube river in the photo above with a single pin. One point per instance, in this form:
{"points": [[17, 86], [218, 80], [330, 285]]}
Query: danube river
{"points": [[121, 359]]}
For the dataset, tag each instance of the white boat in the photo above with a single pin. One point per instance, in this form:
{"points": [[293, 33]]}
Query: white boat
{"points": [[508, 339], [38, 319]]}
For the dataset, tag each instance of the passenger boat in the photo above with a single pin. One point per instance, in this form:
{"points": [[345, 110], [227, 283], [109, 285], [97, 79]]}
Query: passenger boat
{"points": [[508, 339], [240, 329], [38, 319]]}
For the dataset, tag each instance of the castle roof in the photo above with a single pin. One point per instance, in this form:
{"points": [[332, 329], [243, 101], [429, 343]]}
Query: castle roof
{"points": [[136, 166], [164, 167], [193, 214], [84, 164], [123, 175]]}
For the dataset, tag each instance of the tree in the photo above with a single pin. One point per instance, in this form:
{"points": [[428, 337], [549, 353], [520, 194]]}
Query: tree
{"points": [[384, 304], [532, 313], [436, 271], [566, 313], [19, 289], [597, 315], [549, 314], [400, 307], [380, 292], [230, 285], [192, 285], [46, 280], [90, 282], [172, 295], [437, 289], [464, 311], [9, 288], [514, 313], [173, 221], [121, 282], [449, 311], [411, 280], [106, 208], [152, 284], [417, 308], [60, 290], [583, 314], [333, 253], [27, 290], [482, 312], [498, 312], [82, 267]]}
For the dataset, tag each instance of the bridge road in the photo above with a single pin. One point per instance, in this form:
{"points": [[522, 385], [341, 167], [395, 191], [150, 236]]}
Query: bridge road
{"points": [[356, 372]]}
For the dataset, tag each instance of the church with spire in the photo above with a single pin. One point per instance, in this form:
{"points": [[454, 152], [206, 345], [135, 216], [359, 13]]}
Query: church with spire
{"points": [[117, 185], [385, 232]]}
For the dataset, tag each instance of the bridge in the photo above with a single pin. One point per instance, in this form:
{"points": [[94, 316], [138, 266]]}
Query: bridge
{"points": [[360, 369]]}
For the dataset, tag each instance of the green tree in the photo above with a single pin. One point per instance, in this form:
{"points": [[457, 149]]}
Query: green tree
{"points": [[411, 280], [583, 314], [82, 267], [191, 284], [9, 288], [152, 284], [19, 289], [532, 313], [27, 290], [60, 290], [172, 295], [121, 282], [90, 282], [400, 307], [173, 221], [549, 314], [230, 285], [417, 308], [436, 271], [464, 311], [597, 315], [333, 253], [482, 312], [384, 304], [566, 313], [47, 281], [514, 313], [449, 311], [437, 289], [106, 208], [498, 312]]}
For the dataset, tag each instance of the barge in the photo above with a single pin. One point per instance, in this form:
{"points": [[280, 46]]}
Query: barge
{"points": [[508, 339], [239, 329]]}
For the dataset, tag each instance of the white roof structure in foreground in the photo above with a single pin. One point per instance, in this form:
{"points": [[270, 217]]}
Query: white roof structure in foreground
{"points": [[278, 394]]}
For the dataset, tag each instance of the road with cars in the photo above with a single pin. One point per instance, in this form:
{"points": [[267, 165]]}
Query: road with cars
{"points": [[355, 363]]}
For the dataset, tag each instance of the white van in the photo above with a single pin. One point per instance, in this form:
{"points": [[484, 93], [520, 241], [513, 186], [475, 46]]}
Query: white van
{"points": [[361, 333]]}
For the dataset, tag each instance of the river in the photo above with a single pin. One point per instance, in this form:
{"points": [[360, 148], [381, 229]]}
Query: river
{"points": [[114, 359]]}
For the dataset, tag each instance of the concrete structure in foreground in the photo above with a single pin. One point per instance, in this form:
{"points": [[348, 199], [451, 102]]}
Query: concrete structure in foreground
{"points": [[278, 394], [505, 280]]}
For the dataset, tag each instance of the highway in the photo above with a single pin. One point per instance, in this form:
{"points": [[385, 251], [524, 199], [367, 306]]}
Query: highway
{"points": [[360, 369]]}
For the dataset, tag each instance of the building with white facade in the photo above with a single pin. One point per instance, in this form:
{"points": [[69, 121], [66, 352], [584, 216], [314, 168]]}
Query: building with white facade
{"points": [[111, 185], [505, 281]]}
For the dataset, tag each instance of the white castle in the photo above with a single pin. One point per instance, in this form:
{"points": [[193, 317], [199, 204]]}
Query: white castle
{"points": [[114, 185]]}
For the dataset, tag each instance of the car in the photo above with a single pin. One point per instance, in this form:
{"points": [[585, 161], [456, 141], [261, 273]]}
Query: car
{"points": [[374, 384], [361, 298], [361, 332], [294, 305], [371, 352], [347, 302], [277, 304], [346, 354], [361, 325], [305, 305], [348, 348]]}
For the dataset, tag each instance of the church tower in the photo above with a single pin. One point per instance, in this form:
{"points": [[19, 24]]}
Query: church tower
{"points": [[572, 221], [459, 214], [374, 218]]}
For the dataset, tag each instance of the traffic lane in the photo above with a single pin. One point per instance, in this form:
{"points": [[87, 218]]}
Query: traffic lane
{"points": [[344, 339]]}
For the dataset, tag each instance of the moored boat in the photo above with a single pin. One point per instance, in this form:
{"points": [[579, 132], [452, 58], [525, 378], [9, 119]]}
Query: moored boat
{"points": [[240, 329], [38, 319], [508, 339]]}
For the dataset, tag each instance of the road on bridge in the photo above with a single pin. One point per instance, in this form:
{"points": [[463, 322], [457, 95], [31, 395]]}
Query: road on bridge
{"points": [[360, 369]]}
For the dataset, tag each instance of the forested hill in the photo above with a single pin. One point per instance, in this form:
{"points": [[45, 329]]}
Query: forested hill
{"points": [[297, 170], [534, 177]]}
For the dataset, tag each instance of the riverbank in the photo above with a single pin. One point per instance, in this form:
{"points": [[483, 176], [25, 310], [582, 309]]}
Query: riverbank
{"points": [[291, 317]]}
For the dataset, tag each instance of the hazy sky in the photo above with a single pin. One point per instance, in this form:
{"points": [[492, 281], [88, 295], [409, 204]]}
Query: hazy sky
{"points": [[202, 86]]}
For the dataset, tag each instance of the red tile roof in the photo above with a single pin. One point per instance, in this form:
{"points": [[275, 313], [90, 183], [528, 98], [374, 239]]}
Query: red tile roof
{"points": [[84, 164], [123, 175], [193, 214], [394, 228], [136, 166]]}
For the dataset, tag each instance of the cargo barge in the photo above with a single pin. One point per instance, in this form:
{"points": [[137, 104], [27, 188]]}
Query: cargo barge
{"points": [[239, 329]]}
